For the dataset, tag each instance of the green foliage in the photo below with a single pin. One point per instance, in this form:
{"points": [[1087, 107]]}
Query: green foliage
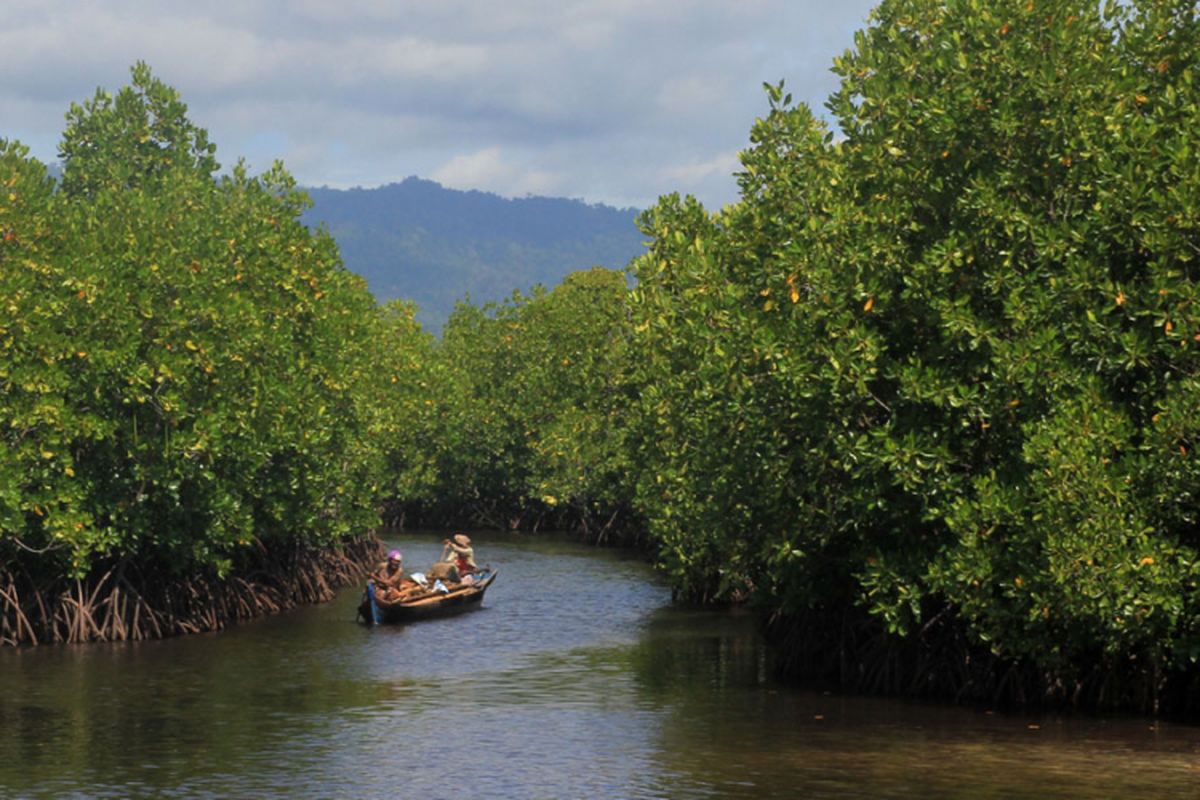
{"points": [[407, 401], [185, 369], [528, 398], [949, 358], [138, 138]]}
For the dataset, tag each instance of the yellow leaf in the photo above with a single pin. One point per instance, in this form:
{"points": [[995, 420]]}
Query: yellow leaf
{"points": [[867, 306], [46, 454], [794, 293], [1120, 298], [190, 345], [1147, 561]]}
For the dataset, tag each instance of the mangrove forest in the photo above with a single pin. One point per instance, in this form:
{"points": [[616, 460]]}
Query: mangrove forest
{"points": [[927, 397]]}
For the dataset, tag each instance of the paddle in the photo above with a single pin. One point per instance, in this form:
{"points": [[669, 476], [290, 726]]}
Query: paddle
{"points": [[376, 615]]}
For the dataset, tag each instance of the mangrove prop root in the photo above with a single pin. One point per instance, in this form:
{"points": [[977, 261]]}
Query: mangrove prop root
{"points": [[128, 601]]}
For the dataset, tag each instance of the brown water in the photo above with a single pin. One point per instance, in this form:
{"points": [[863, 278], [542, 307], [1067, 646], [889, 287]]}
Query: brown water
{"points": [[576, 679]]}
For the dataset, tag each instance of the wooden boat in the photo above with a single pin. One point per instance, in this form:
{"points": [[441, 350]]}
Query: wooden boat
{"points": [[460, 597]]}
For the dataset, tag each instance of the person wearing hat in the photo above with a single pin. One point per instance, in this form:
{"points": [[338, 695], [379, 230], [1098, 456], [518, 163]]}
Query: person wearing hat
{"points": [[389, 576], [458, 549]]}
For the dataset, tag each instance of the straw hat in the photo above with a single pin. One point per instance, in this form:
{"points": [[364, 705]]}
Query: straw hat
{"points": [[462, 540]]}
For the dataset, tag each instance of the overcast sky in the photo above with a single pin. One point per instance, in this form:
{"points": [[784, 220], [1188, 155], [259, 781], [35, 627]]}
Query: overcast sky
{"points": [[614, 101]]}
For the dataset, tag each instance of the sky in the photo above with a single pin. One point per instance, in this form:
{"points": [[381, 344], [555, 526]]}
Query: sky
{"points": [[607, 101]]}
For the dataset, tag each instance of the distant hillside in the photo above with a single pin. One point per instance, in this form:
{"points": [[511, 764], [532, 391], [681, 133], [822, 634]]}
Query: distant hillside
{"points": [[420, 241]]}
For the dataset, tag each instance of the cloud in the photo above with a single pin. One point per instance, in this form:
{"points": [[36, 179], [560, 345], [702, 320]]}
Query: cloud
{"points": [[607, 100], [692, 174], [488, 170]]}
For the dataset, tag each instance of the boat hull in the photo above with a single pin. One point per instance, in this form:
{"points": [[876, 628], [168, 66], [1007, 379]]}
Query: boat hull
{"points": [[373, 610]]}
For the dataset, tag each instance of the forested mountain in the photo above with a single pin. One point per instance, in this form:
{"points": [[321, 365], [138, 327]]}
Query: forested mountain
{"points": [[418, 240]]}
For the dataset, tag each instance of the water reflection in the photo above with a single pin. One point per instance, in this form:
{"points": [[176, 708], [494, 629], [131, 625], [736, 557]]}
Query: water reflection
{"points": [[731, 732], [575, 679]]}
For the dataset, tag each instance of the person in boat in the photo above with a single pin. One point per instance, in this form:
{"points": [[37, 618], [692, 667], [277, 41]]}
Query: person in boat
{"points": [[389, 578], [457, 549]]}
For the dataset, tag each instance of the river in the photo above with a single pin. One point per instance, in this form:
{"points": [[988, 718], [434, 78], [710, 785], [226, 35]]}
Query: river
{"points": [[576, 678]]}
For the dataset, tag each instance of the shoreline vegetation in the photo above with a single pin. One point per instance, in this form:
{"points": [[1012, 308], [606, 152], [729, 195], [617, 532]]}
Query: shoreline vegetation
{"points": [[131, 601], [191, 385], [927, 396]]}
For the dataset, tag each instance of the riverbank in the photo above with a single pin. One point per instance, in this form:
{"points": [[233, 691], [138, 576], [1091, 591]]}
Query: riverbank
{"points": [[131, 600], [618, 526], [942, 662]]}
